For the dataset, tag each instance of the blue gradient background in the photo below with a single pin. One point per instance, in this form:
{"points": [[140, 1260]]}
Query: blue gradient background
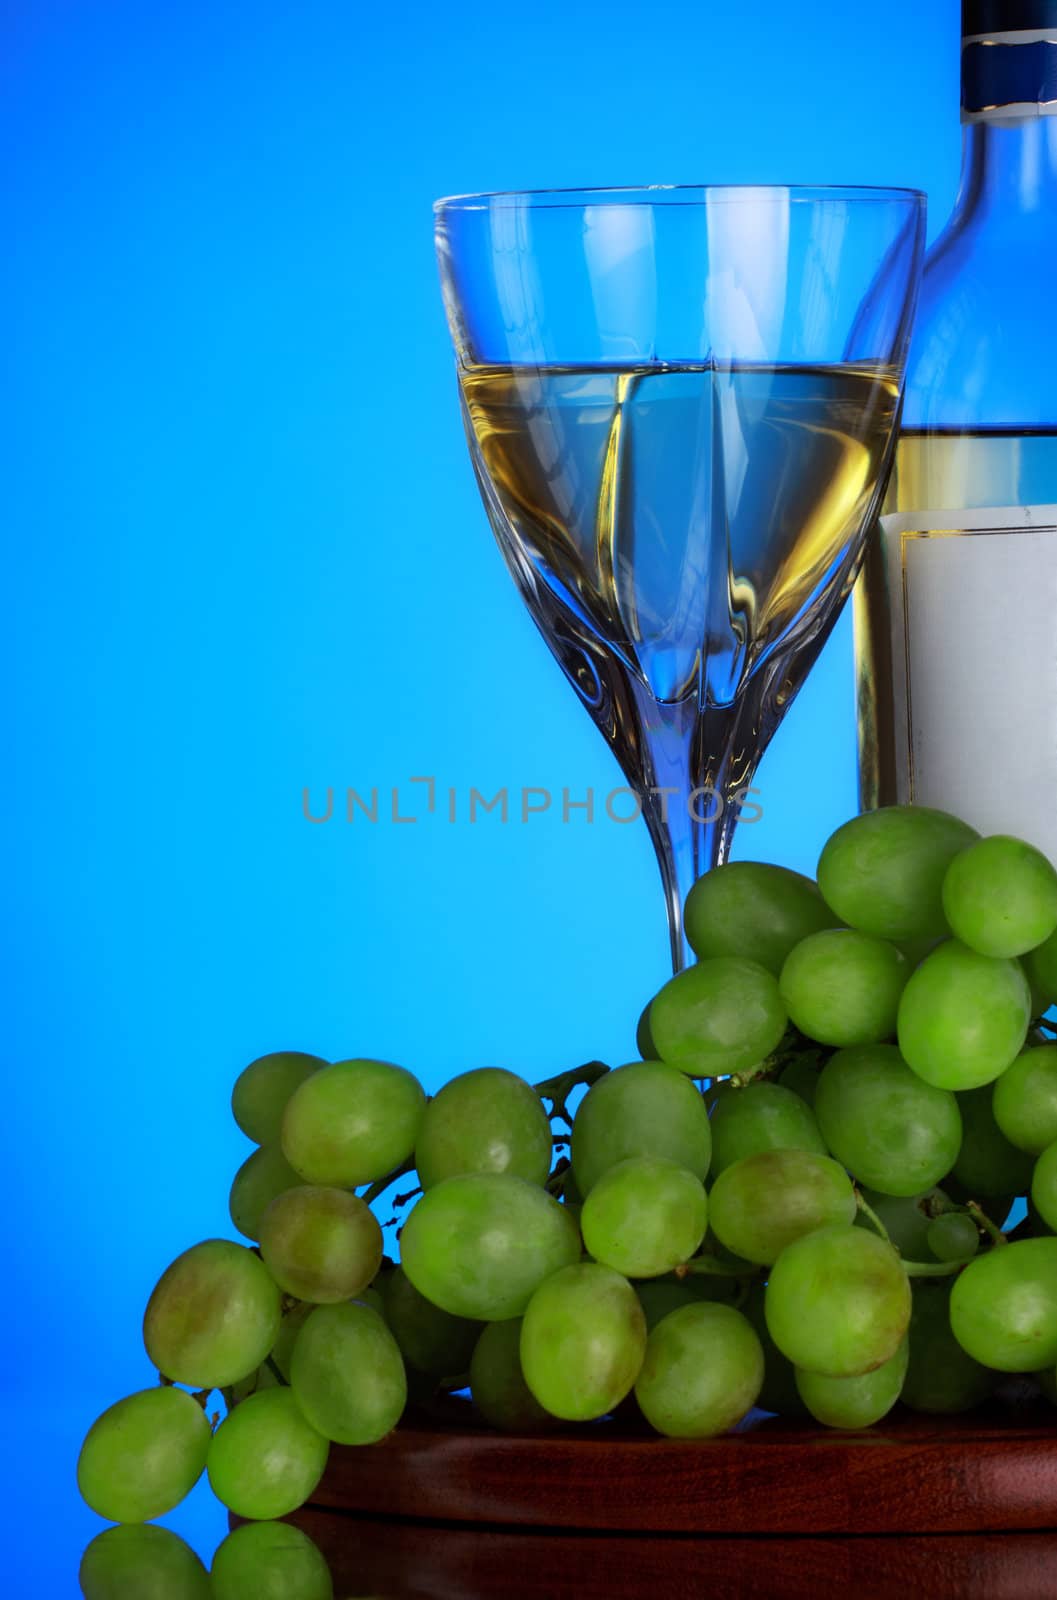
{"points": [[245, 554]]}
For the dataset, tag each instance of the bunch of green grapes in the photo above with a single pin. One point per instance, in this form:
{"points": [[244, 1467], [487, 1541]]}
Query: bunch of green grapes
{"points": [[310, 1335], [795, 1200], [902, 1100]]}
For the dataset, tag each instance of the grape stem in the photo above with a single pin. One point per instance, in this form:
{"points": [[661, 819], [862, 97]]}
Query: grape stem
{"points": [[794, 1047], [939, 1205], [739, 1080], [558, 1089], [555, 1184], [710, 1267], [872, 1218], [380, 1185], [983, 1221]]}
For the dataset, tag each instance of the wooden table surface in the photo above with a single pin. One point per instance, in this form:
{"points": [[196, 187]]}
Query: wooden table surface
{"points": [[918, 1508], [393, 1560], [990, 1471]]}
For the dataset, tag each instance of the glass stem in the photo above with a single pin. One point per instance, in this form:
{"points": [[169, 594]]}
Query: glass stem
{"points": [[686, 806]]}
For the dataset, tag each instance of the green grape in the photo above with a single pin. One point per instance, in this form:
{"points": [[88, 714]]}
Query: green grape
{"points": [[883, 872], [321, 1244], [282, 1352], [1004, 1306], [270, 1561], [430, 1340], [348, 1374], [1044, 1187], [763, 1202], [987, 1163], [643, 1037], [139, 1561], [484, 1121], [903, 1219], [213, 1315], [996, 1206], [479, 1245], [644, 1217], [497, 1383], [838, 1302], [953, 1236], [762, 1116], [582, 1341], [1041, 967], [1000, 897], [702, 1372], [720, 1256], [779, 1392], [234, 1393], [721, 1016], [963, 1017], [856, 1402], [915, 950], [143, 1455], [658, 1296], [1024, 1099], [749, 908], [261, 1092], [841, 987], [276, 1369], [801, 1076], [1040, 1002], [265, 1377], [642, 1109], [373, 1297], [260, 1178], [892, 1130], [942, 1379], [266, 1457], [352, 1123]]}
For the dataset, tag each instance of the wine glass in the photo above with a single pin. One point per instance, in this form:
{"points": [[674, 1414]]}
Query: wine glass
{"points": [[681, 405]]}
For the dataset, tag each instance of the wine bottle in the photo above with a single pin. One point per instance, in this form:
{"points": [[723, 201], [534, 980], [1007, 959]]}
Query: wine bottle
{"points": [[956, 609]]}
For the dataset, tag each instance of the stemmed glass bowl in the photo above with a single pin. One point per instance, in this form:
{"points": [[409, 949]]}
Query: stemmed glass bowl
{"points": [[681, 405]]}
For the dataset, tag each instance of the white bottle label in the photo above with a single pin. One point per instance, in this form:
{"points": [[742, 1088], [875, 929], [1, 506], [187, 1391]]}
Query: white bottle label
{"points": [[974, 642]]}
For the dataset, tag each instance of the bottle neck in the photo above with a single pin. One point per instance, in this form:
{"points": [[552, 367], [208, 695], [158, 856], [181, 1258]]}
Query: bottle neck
{"points": [[1009, 173]]}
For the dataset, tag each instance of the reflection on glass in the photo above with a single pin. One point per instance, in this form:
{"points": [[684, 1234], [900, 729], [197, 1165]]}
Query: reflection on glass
{"points": [[257, 1561], [137, 1558], [261, 1559]]}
